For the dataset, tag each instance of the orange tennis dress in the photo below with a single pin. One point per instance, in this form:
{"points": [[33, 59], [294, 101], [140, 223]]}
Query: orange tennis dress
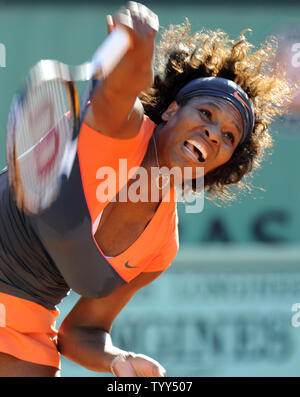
{"points": [[157, 246], [27, 328]]}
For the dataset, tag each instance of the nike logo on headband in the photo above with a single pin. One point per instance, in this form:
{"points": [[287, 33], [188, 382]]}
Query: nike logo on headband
{"points": [[236, 94]]}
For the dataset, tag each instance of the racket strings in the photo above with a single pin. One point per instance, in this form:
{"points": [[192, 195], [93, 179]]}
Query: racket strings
{"points": [[42, 130], [59, 134], [24, 137]]}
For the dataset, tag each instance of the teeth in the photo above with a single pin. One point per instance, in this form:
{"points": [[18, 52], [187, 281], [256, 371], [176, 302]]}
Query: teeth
{"points": [[199, 146], [189, 148]]}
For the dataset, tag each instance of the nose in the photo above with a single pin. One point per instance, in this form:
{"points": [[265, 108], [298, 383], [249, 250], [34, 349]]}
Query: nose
{"points": [[213, 134]]}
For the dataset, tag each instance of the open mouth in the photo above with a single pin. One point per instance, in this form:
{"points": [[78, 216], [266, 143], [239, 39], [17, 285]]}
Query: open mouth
{"points": [[195, 150]]}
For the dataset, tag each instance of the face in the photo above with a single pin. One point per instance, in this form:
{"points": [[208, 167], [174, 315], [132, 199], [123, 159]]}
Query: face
{"points": [[202, 133]]}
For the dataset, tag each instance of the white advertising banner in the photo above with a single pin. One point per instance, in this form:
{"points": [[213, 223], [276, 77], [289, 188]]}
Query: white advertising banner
{"points": [[222, 312]]}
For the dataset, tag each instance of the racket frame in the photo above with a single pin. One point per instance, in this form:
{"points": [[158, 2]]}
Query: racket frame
{"points": [[14, 178], [104, 60]]}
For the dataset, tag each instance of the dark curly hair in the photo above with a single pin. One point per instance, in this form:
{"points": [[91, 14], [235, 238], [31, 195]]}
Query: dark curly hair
{"points": [[182, 56]]}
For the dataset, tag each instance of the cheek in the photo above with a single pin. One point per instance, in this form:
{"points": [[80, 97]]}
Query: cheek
{"points": [[170, 136], [181, 124], [167, 146], [225, 155], [222, 158]]}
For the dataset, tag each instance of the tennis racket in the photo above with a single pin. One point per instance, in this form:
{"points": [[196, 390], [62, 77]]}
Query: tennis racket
{"points": [[45, 119]]}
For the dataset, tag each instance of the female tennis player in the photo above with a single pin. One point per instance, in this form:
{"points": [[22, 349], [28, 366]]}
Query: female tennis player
{"points": [[210, 106]]}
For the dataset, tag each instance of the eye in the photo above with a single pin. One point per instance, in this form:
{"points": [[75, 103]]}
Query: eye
{"points": [[206, 113], [230, 136]]}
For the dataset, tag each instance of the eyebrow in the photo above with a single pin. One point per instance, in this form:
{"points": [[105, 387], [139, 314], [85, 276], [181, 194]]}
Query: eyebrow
{"points": [[213, 104]]}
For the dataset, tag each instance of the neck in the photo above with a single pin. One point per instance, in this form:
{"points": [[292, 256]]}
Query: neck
{"points": [[152, 162]]}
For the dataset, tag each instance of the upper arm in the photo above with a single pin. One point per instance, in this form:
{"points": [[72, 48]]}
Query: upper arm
{"points": [[116, 117], [101, 312]]}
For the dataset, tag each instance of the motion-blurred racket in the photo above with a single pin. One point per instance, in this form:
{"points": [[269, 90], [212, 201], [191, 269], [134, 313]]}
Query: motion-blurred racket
{"points": [[45, 119]]}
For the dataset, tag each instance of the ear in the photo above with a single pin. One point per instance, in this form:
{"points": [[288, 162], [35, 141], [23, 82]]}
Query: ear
{"points": [[168, 113]]}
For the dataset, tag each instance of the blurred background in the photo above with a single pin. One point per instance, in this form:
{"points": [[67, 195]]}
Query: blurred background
{"points": [[224, 308]]}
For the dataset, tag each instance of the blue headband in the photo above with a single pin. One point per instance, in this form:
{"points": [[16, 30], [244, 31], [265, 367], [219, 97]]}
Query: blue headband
{"points": [[225, 89]]}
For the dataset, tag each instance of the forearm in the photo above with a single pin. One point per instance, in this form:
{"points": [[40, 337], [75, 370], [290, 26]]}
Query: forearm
{"points": [[91, 348], [115, 99], [111, 110], [115, 110], [84, 338]]}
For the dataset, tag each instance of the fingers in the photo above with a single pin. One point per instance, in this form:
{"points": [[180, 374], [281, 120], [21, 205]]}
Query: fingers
{"points": [[136, 365], [110, 24], [144, 14], [160, 372], [157, 368], [135, 16], [124, 17], [121, 367]]}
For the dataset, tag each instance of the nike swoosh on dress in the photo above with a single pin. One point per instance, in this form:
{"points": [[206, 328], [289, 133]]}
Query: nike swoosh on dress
{"points": [[130, 267]]}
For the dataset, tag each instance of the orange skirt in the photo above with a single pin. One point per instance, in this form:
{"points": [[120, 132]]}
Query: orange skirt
{"points": [[27, 331]]}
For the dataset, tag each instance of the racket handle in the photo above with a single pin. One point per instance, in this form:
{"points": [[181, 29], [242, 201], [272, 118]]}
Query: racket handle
{"points": [[110, 52]]}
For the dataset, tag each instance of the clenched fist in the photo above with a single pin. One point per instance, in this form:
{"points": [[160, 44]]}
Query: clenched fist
{"points": [[136, 365]]}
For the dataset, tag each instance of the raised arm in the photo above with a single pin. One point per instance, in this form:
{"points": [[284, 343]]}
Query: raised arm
{"points": [[115, 110], [84, 336]]}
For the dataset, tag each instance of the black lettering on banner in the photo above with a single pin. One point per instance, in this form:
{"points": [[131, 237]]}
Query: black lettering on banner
{"points": [[260, 226], [280, 344], [262, 338], [202, 343], [217, 232]]}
